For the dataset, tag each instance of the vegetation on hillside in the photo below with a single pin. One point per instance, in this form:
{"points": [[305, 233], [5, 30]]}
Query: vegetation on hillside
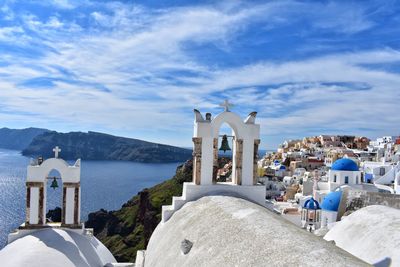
{"points": [[129, 229]]}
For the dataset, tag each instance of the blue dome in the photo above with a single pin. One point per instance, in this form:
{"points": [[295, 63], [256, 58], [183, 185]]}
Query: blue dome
{"points": [[282, 167], [331, 201], [344, 165], [311, 204]]}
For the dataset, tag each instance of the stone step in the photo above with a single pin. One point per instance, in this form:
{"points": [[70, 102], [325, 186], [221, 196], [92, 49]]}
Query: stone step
{"points": [[167, 212], [178, 202]]}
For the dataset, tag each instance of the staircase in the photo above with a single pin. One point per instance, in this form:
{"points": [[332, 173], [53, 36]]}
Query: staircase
{"points": [[168, 210], [389, 177], [177, 203]]}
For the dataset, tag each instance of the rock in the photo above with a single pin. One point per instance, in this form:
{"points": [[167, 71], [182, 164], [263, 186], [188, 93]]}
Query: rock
{"points": [[54, 215], [186, 246]]}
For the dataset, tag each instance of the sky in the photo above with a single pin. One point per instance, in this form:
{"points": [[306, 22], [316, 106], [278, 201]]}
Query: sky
{"points": [[138, 68]]}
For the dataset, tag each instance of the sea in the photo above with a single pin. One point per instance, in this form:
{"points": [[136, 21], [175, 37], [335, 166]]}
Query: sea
{"points": [[104, 184]]}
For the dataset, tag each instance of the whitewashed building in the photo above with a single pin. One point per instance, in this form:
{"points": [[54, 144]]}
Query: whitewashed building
{"points": [[344, 171]]}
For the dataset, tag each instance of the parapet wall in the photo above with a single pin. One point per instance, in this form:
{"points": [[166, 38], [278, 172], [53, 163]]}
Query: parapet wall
{"points": [[359, 199]]}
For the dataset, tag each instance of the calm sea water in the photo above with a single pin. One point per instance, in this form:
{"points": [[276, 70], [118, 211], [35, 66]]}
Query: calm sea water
{"points": [[104, 184]]}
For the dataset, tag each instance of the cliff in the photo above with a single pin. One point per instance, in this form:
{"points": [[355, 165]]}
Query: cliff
{"points": [[18, 139], [99, 146], [129, 229]]}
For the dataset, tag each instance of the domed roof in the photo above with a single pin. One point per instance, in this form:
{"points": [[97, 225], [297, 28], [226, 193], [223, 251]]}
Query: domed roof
{"points": [[311, 204], [331, 201], [55, 247], [361, 231], [198, 234], [344, 164]]}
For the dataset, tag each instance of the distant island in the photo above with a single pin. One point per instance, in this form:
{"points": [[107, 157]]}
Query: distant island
{"points": [[18, 139], [89, 146]]}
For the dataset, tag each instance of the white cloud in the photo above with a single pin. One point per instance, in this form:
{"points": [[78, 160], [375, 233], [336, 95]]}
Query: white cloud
{"points": [[127, 70]]}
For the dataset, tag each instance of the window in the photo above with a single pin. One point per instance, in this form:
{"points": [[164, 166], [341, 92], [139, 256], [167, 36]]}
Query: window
{"points": [[357, 179], [334, 178], [346, 179], [382, 171]]}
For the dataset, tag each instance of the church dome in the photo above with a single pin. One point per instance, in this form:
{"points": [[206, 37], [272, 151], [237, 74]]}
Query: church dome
{"points": [[56, 248], [331, 201], [229, 231], [311, 204], [344, 164]]}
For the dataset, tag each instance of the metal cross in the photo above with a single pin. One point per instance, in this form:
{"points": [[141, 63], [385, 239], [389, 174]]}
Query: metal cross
{"points": [[226, 105], [56, 150]]}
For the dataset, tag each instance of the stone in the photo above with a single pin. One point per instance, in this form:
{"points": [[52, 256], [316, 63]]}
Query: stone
{"points": [[186, 246]]}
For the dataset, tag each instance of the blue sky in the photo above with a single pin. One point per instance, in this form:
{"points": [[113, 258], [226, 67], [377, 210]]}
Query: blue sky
{"points": [[138, 68]]}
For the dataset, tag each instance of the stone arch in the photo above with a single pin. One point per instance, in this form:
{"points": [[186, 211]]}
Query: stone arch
{"points": [[233, 120], [58, 165], [37, 191], [246, 134]]}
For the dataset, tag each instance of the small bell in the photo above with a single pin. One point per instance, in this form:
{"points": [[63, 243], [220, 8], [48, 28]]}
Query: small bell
{"points": [[224, 144], [54, 184]]}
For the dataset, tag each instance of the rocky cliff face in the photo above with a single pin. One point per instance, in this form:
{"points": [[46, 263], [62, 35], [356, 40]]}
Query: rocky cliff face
{"points": [[129, 229], [18, 139], [99, 146]]}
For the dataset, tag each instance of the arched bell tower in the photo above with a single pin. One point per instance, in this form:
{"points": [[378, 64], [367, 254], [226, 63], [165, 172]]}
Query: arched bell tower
{"points": [[38, 172], [246, 139], [246, 136]]}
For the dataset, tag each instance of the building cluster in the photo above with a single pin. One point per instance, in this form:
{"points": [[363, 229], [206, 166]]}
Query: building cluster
{"points": [[320, 179]]}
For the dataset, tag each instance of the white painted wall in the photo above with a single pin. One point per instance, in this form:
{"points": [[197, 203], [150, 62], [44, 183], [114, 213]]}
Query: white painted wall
{"points": [[354, 178], [328, 217], [34, 206], [207, 158], [69, 213]]}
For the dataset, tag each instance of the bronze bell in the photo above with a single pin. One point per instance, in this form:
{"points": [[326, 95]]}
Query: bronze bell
{"points": [[54, 184], [224, 144]]}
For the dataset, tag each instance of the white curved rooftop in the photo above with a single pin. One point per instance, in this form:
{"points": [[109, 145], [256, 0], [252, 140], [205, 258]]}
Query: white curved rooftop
{"points": [[371, 233], [229, 231], [55, 247]]}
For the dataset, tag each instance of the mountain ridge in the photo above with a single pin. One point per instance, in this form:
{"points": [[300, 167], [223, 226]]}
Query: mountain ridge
{"points": [[18, 139], [100, 146]]}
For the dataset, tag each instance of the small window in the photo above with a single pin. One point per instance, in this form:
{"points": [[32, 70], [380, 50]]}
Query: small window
{"points": [[334, 178], [357, 179], [346, 179], [382, 171]]}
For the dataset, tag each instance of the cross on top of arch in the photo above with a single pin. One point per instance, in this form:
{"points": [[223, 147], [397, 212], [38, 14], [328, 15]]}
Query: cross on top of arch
{"points": [[56, 151], [226, 105]]}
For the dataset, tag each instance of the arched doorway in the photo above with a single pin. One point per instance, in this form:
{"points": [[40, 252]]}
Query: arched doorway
{"points": [[54, 197], [224, 161]]}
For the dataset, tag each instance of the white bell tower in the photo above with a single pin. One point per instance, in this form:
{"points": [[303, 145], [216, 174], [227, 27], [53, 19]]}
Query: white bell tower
{"points": [[36, 194], [244, 182]]}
